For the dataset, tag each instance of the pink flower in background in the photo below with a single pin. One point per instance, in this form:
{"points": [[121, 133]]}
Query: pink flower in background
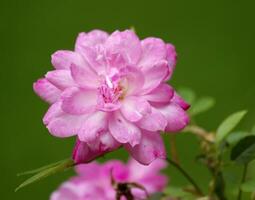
{"points": [[111, 91], [94, 180]]}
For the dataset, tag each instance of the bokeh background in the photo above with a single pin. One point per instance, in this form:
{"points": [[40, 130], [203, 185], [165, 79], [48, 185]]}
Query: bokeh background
{"points": [[215, 42]]}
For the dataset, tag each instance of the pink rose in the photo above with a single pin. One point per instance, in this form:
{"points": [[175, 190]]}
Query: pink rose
{"points": [[113, 87]]}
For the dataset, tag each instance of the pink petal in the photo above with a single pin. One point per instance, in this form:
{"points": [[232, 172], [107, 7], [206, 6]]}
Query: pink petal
{"points": [[177, 99], [46, 90], [155, 121], [84, 77], [79, 101], [171, 55], [149, 176], [176, 117], [139, 171], [150, 148], [60, 78], [117, 169], [53, 112], [64, 193], [91, 46], [153, 51], [134, 80], [86, 152], [65, 125], [89, 170], [90, 39], [154, 76], [124, 131], [107, 142], [95, 58], [162, 94], [125, 43], [95, 123], [63, 59], [134, 108]]}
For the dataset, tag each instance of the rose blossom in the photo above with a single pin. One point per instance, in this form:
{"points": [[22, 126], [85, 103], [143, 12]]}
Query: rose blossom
{"points": [[94, 181], [112, 91]]}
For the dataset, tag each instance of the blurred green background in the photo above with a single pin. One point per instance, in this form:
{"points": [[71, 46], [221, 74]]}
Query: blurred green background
{"points": [[215, 42]]}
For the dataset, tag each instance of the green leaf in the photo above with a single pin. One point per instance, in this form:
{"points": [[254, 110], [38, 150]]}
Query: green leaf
{"points": [[33, 171], [248, 186], [228, 125], [234, 137], [47, 172], [244, 151], [201, 105], [187, 94], [253, 129], [177, 192]]}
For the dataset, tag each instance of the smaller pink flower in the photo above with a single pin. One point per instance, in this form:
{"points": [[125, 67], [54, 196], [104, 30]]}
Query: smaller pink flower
{"points": [[94, 180]]}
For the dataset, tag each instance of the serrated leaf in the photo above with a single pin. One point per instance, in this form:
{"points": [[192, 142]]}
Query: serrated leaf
{"points": [[187, 94], [45, 173], [248, 186], [228, 125], [234, 137], [244, 151], [201, 105]]}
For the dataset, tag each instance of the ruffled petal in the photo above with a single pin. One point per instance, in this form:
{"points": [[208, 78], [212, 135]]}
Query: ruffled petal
{"points": [[154, 76], [171, 55], [95, 123], [85, 152], [176, 117], [134, 108], [53, 112], [63, 59], [150, 148], [90, 39], [79, 101], [134, 81], [60, 78], [125, 43], [162, 94], [65, 125], [46, 90], [155, 121], [124, 131], [84, 77], [153, 51], [91, 47], [177, 99]]}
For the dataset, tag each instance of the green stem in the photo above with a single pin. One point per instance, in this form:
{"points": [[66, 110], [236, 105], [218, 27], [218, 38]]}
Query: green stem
{"points": [[173, 149], [239, 197], [186, 175]]}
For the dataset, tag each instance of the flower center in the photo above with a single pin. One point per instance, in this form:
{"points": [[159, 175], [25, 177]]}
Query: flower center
{"points": [[109, 92]]}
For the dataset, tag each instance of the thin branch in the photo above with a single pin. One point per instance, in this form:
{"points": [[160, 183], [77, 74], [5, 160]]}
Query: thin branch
{"points": [[202, 133], [239, 197], [186, 175]]}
